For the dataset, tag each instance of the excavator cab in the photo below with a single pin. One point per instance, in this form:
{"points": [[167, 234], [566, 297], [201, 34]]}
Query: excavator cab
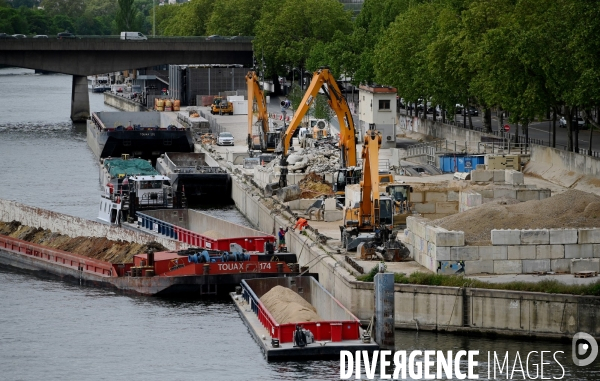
{"points": [[400, 193], [343, 177]]}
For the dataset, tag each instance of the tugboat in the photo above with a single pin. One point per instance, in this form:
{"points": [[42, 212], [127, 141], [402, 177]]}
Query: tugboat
{"points": [[131, 185]]}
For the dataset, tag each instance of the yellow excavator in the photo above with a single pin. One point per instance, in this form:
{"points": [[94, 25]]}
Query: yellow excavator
{"points": [[260, 138], [372, 221], [324, 80], [221, 106]]}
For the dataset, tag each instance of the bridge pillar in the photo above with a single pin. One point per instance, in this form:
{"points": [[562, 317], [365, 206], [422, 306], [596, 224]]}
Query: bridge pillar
{"points": [[80, 99]]}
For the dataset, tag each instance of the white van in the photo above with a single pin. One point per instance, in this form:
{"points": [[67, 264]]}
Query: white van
{"points": [[132, 36]]}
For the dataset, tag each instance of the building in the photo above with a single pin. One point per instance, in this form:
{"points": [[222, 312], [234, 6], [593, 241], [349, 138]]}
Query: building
{"points": [[378, 105]]}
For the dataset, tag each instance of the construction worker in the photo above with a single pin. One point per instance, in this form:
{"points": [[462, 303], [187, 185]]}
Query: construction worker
{"points": [[301, 224], [281, 235]]}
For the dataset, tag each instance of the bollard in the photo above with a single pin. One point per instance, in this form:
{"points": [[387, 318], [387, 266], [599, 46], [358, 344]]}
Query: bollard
{"points": [[206, 269], [279, 267], [384, 310]]}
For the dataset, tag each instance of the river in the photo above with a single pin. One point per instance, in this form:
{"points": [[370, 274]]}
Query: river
{"points": [[55, 331]]}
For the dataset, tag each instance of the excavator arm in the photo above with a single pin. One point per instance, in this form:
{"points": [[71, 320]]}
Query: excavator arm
{"points": [[254, 92], [369, 206], [339, 105]]}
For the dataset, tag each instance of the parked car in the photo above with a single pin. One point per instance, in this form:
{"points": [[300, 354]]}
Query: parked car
{"points": [[65, 35], [40, 36], [19, 35], [458, 108], [580, 122], [225, 139], [4, 35], [472, 111], [216, 37]]}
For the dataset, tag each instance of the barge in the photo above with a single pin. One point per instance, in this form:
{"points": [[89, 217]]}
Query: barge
{"points": [[192, 176], [338, 330], [139, 134], [191, 272]]}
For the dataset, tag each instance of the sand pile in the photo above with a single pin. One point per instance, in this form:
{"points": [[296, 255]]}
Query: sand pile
{"points": [[92, 247], [286, 306], [571, 209], [313, 185]]}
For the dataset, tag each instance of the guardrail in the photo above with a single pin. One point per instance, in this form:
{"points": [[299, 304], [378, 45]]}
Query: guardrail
{"points": [[169, 230], [58, 257]]}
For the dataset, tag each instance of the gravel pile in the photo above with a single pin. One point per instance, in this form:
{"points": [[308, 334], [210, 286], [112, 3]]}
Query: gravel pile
{"points": [[321, 160], [571, 209], [286, 306]]}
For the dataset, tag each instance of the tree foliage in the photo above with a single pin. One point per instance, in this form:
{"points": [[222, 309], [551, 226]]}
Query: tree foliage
{"points": [[234, 18], [188, 19], [127, 17]]}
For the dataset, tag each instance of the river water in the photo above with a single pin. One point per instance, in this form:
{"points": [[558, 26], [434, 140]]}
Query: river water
{"points": [[55, 331]]}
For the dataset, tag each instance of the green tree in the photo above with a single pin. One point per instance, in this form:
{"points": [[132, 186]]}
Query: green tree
{"points": [[61, 23], [234, 17], [288, 30], [69, 8], [127, 17], [190, 19]]}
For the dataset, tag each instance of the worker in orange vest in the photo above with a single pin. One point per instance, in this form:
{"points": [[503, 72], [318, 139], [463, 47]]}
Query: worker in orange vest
{"points": [[301, 223]]}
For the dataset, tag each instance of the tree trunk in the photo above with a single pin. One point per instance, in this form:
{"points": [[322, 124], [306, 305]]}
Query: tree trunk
{"points": [[553, 127], [517, 132], [569, 129], [487, 120], [526, 131], [576, 128]]}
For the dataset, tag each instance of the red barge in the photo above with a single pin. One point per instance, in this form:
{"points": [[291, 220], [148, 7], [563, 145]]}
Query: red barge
{"points": [[190, 272]]}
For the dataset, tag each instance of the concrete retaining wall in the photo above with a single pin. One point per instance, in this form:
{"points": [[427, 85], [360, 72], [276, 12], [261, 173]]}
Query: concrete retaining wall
{"points": [[123, 104], [511, 252], [75, 226]]}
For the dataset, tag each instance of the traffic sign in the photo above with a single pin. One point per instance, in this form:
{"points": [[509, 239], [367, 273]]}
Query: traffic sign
{"points": [[506, 128]]}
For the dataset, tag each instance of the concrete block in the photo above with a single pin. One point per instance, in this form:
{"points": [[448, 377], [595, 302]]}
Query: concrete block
{"points": [[332, 215], [486, 193], [431, 231], [482, 176], [508, 267], [535, 265], [416, 197], [431, 251], [535, 237], [563, 236], [521, 252], [579, 251], [528, 194], [446, 207], [435, 216], [442, 253], [449, 238], [330, 204], [506, 237], [514, 177], [420, 229], [549, 252], [499, 175], [480, 167], [479, 267], [545, 193], [493, 252], [436, 196], [505, 192], [560, 265], [453, 195], [596, 251], [589, 236], [451, 267], [425, 208], [468, 253], [590, 264]]}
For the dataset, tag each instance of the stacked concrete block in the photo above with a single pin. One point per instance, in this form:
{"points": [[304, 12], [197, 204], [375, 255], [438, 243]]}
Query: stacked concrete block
{"points": [[563, 236], [560, 265], [506, 237], [579, 251], [596, 251], [505, 192], [550, 252], [479, 267], [453, 196], [493, 252], [527, 194], [589, 236], [545, 193], [589, 264], [535, 237], [521, 252], [508, 267], [498, 175], [416, 196], [469, 200], [464, 253], [514, 177], [482, 176], [536, 265]]}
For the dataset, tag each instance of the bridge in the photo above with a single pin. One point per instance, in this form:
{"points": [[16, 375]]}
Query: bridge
{"points": [[90, 55]]}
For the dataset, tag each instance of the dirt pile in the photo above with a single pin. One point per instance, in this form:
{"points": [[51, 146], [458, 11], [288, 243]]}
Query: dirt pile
{"points": [[92, 247], [571, 209], [286, 306], [313, 185]]}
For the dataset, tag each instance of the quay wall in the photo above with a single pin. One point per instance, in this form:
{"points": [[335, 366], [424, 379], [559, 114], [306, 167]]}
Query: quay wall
{"points": [[75, 226], [452, 309], [122, 103]]}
